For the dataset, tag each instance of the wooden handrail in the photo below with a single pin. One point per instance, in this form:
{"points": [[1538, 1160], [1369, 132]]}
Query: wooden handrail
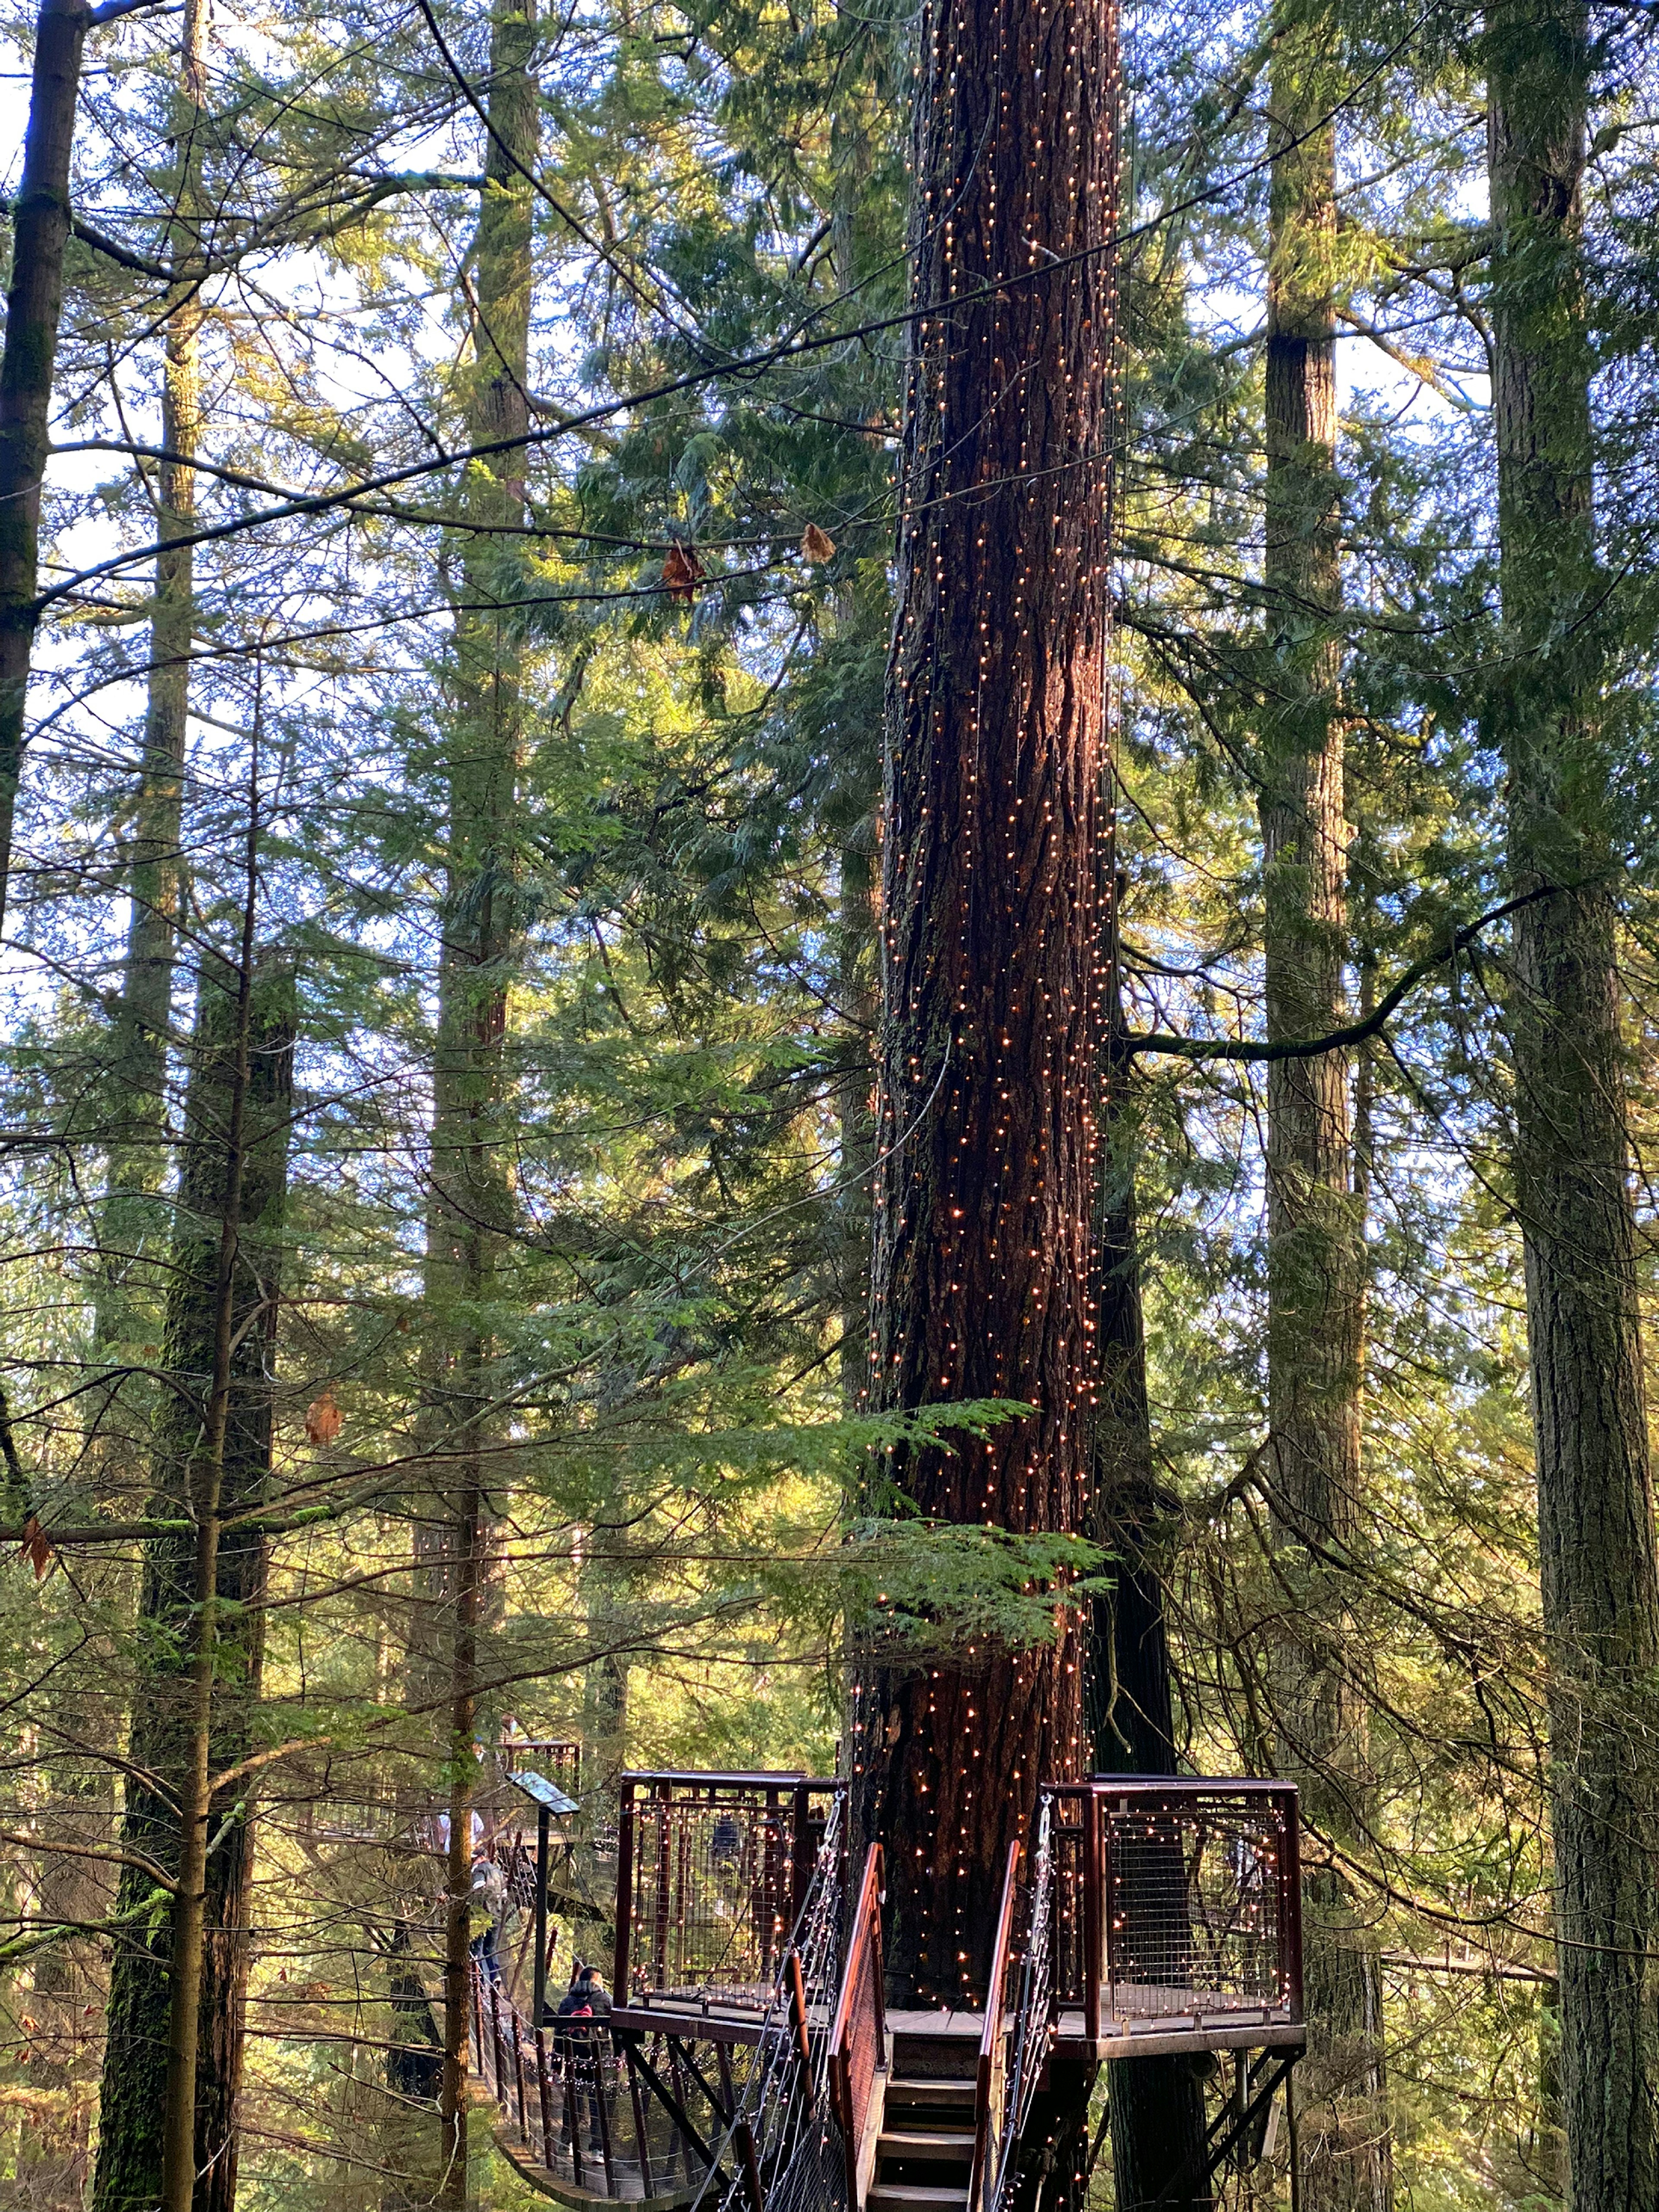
{"points": [[991, 2034], [863, 1962]]}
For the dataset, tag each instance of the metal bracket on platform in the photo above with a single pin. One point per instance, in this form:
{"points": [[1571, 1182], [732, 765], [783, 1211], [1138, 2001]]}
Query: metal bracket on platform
{"points": [[1241, 2123]]}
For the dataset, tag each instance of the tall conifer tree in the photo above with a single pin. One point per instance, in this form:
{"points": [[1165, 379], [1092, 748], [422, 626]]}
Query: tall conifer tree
{"points": [[1314, 1283], [1572, 1162]]}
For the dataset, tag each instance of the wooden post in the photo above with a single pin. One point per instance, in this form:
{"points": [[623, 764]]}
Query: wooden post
{"points": [[798, 2017], [752, 2180]]}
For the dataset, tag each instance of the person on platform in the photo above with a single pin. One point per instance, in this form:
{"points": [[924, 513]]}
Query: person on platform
{"points": [[583, 2011]]}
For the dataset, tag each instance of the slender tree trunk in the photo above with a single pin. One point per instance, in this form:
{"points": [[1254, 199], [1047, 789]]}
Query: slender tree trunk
{"points": [[983, 1267], [40, 229], [471, 1190], [1314, 1283], [1156, 2105], [1600, 1585], [129, 2171], [155, 864]]}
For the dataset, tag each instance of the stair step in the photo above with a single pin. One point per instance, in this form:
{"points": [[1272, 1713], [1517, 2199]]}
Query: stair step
{"points": [[940, 2090], [925, 2142], [935, 2057], [911, 2196]]}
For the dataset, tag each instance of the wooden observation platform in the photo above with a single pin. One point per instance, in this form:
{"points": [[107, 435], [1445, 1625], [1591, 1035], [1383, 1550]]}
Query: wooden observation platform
{"points": [[749, 2060]]}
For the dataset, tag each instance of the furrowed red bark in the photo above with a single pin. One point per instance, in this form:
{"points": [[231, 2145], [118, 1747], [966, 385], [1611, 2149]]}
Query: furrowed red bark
{"points": [[984, 1271], [129, 2171], [1315, 1239], [40, 229], [1596, 1545]]}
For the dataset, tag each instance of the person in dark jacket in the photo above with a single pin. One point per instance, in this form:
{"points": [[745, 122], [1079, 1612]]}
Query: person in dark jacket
{"points": [[584, 2012]]}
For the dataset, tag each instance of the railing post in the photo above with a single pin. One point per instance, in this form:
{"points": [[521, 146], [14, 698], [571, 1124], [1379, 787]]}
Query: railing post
{"points": [[539, 1983], [624, 1894], [494, 2036], [544, 2096], [1290, 1898], [568, 2065], [518, 2072], [665, 1889], [639, 2118], [1096, 1915], [604, 2110], [800, 1855], [752, 2180], [798, 2021]]}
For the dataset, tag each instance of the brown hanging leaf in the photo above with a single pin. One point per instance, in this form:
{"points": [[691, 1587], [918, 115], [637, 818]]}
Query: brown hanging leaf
{"points": [[36, 1548], [816, 545], [683, 571], [324, 1418]]}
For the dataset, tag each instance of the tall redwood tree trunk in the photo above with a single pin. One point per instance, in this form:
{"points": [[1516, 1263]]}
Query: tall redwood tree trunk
{"points": [[983, 1270]]}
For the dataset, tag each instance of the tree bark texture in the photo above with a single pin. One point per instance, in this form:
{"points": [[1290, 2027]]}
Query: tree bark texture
{"points": [[1314, 1237], [1600, 1585], [471, 1188], [128, 2174], [983, 1280], [40, 229]]}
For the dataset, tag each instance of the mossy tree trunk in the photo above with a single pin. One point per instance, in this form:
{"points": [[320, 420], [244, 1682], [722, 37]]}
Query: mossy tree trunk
{"points": [[128, 2174], [1314, 1235], [1572, 1164]]}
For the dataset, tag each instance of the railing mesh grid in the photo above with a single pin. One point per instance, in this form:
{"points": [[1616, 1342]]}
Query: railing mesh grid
{"points": [[711, 1902], [1194, 1905]]}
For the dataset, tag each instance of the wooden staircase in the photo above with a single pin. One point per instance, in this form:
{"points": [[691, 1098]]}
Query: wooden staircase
{"points": [[925, 2151]]}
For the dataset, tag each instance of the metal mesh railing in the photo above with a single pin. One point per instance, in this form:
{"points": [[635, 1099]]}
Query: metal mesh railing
{"points": [[1033, 1976], [711, 1873], [783, 2144], [1068, 1836], [1196, 1916]]}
